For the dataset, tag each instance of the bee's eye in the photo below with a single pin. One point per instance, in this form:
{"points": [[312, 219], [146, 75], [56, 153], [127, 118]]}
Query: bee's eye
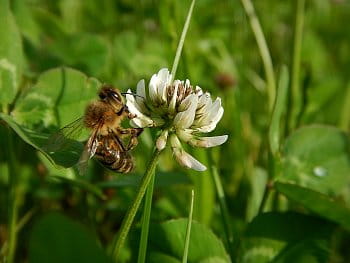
{"points": [[116, 96]]}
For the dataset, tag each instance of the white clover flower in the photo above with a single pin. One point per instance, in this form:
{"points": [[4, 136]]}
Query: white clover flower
{"points": [[182, 112]]}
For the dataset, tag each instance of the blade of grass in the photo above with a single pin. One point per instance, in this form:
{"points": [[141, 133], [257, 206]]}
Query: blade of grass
{"points": [[24, 220], [12, 199], [279, 108], [81, 183], [296, 99], [223, 210], [182, 40], [263, 49], [131, 213], [145, 222], [188, 230]]}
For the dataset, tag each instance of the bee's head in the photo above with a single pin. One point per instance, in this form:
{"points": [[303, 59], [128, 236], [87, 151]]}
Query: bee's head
{"points": [[112, 96]]}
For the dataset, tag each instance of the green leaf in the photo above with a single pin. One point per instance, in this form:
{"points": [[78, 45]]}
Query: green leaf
{"points": [[66, 158], [58, 98], [316, 202], [11, 55], [279, 108], [317, 157], [257, 188], [55, 238], [169, 239], [278, 237]]}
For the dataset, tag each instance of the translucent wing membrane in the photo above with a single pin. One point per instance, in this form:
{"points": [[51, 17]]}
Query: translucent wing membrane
{"points": [[61, 140]]}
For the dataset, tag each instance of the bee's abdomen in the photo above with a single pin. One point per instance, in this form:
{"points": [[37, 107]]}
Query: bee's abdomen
{"points": [[118, 161], [123, 165]]}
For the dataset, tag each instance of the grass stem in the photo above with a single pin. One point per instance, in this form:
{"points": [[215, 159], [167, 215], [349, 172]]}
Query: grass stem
{"points": [[263, 49], [182, 40], [131, 213], [296, 94], [188, 230], [13, 201], [223, 209], [145, 221]]}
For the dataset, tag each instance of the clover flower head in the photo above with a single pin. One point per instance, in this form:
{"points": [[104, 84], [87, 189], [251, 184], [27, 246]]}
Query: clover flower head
{"points": [[182, 112]]}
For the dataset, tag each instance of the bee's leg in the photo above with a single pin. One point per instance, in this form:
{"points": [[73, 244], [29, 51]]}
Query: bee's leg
{"points": [[132, 132], [129, 114]]}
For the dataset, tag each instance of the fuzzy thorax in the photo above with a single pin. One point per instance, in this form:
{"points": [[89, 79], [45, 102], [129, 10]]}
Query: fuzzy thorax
{"points": [[100, 115]]}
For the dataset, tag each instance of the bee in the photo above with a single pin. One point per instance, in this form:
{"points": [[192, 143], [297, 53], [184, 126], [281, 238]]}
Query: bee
{"points": [[106, 142]]}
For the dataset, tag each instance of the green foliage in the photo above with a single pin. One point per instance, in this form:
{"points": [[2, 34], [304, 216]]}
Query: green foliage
{"points": [[55, 238], [286, 237], [317, 157], [168, 240], [11, 56], [281, 182]]}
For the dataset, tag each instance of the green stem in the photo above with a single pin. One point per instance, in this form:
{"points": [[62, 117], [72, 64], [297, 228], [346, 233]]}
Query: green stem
{"points": [[263, 49], [130, 215], [182, 40], [295, 78], [188, 230], [145, 222], [13, 200], [24, 220], [223, 209]]}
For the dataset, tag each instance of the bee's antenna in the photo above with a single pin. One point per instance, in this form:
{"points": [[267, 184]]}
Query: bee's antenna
{"points": [[124, 93]]}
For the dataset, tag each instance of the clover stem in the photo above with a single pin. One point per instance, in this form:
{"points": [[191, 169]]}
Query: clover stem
{"points": [[130, 215]]}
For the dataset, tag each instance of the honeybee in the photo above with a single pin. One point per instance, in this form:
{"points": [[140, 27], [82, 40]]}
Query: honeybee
{"points": [[103, 118]]}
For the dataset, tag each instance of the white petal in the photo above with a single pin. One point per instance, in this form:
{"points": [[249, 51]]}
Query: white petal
{"points": [[185, 135], [152, 88], [172, 103], [204, 103], [212, 123], [164, 81], [162, 140], [141, 97], [208, 141], [133, 106], [140, 89], [183, 158], [207, 117], [188, 161], [140, 120], [185, 119], [199, 91], [144, 122]]}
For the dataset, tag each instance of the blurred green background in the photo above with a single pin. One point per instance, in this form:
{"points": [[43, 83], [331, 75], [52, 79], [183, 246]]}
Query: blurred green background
{"points": [[121, 42]]}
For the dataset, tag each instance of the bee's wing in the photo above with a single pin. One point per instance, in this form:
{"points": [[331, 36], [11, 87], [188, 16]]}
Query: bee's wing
{"points": [[62, 138], [88, 152]]}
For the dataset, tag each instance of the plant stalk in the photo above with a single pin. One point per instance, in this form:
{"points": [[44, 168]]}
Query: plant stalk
{"points": [[130, 215], [295, 76], [223, 209], [263, 49], [188, 230], [145, 221], [12, 199], [182, 40]]}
